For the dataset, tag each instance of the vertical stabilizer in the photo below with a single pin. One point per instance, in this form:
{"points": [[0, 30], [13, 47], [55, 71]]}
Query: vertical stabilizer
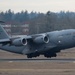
{"points": [[3, 33]]}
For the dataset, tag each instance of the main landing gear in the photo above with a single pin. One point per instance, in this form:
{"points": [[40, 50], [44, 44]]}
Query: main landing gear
{"points": [[49, 55], [33, 55]]}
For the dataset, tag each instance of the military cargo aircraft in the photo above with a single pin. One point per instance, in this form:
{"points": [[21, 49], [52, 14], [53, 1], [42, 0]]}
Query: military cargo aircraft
{"points": [[47, 44]]}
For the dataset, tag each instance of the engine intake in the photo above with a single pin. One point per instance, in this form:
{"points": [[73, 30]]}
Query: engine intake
{"points": [[41, 39], [19, 42]]}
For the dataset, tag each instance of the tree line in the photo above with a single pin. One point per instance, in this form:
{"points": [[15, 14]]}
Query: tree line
{"points": [[40, 22]]}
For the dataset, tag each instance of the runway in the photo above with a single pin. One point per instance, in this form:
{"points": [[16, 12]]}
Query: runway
{"points": [[53, 66], [38, 60], [14, 64]]}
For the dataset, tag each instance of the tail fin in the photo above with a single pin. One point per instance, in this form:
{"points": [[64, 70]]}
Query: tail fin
{"points": [[3, 33]]}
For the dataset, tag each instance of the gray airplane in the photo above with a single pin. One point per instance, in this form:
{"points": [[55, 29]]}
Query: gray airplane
{"points": [[47, 44]]}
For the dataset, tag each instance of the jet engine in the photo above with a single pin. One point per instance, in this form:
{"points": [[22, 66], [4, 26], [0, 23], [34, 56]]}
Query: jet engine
{"points": [[19, 42], [41, 39]]}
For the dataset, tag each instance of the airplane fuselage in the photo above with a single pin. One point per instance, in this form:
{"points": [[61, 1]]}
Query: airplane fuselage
{"points": [[58, 40]]}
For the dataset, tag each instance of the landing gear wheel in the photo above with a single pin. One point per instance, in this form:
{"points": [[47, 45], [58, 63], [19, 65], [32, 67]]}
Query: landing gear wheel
{"points": [[50, 55], [33, 55], [29, 56]]}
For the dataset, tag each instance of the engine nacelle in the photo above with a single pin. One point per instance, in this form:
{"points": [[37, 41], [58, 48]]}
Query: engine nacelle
{"points": [[41, 39], [19, 42]]}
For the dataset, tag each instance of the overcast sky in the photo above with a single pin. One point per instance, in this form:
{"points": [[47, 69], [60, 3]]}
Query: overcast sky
{"points": [[37, 5]]}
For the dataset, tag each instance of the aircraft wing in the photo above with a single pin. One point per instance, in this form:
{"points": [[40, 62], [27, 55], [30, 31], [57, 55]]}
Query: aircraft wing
{"points": [[4, 41], [21, 36]]}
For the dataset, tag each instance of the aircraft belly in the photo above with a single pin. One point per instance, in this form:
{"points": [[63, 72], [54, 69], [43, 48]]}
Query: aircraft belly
{"points": [[38, 48]]}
